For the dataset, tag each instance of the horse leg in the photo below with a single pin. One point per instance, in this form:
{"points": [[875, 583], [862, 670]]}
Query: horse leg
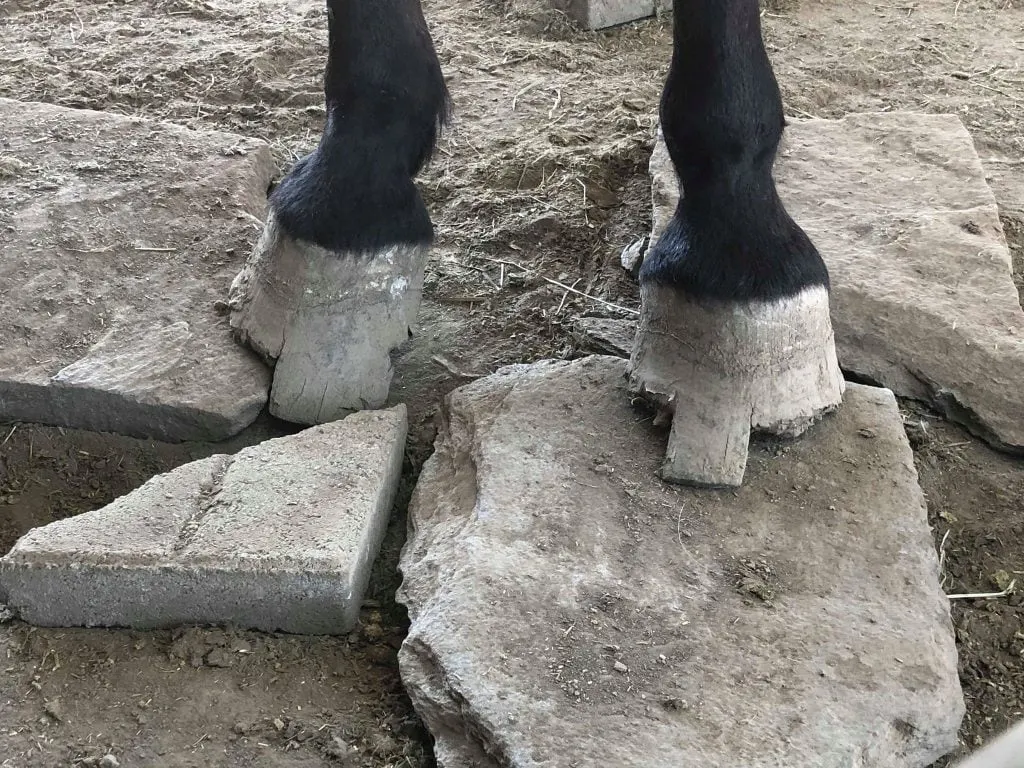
{"points": [[734, 332], [336, 279]]}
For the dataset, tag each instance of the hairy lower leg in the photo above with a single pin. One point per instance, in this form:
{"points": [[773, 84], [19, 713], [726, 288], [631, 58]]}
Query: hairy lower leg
{"points": [[386, 101], [721, 112]]}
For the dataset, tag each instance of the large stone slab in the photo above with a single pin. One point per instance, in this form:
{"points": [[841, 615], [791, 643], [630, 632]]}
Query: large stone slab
{"points": [[118, 238], [599, 14], [568, 608], [923, 298], [280, 536]]}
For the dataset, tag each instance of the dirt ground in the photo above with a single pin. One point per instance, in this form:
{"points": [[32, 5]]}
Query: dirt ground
{"points": [[541, 180]]}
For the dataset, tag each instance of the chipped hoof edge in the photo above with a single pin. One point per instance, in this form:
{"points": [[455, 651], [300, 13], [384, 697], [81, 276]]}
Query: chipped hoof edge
{"points": [[327, 321], [725, 369]]}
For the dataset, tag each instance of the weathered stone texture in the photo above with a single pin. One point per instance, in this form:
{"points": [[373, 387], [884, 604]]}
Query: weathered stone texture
{"points": [[570, 609], [599, 14], [606, 335], [118, 238]]}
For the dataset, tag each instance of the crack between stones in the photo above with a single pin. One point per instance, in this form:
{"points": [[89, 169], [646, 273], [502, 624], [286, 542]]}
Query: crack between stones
{"points": [[207, 500], [454, 715], [954, 409]]}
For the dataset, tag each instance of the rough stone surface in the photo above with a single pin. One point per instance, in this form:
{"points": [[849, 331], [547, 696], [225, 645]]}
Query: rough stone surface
{"points": [[1005, 175], [610, 336], [598, 14], [606, 335], [280, 536], [568, 608], [923, 298], [118, 237], [632, 256], [327, 321]]}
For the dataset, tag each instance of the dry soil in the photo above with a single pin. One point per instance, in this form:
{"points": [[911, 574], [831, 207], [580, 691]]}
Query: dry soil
{"points": [[541, 180]]}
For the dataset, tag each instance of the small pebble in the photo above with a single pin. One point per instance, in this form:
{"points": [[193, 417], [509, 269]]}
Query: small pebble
{"points": [[109, 761], [620, 667], [54, 709], [339, 749]]}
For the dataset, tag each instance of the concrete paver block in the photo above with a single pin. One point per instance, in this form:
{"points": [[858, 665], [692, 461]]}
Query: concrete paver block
{"points": [[280, 536], [599, 14], [119, 238], [568, 608]]}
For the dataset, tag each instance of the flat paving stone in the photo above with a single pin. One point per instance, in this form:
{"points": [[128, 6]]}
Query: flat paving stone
{"points": [[568, 608], [1005, 175], [279, 537], [599, 14], [923, 299], [119, 239]]}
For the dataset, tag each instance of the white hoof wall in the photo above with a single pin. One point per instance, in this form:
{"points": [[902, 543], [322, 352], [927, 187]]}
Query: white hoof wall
{"points": [[328, 321], [725, 369]]}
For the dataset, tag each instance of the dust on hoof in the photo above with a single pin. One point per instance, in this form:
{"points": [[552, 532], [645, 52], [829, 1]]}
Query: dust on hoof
{"points": [[722, 370], [328, 321]]}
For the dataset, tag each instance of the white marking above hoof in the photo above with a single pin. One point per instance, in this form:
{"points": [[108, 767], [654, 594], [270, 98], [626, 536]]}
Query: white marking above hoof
{"points": [[724, 369]]}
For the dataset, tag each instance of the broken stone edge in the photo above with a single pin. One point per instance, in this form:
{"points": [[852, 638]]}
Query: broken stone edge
{"points": [[468, 733], [131, 414], [282, 597]]}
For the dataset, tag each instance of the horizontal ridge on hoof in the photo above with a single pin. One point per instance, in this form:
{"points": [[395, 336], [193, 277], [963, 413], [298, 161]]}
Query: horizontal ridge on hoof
{"points": [[327, 321], [723, 369]]}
